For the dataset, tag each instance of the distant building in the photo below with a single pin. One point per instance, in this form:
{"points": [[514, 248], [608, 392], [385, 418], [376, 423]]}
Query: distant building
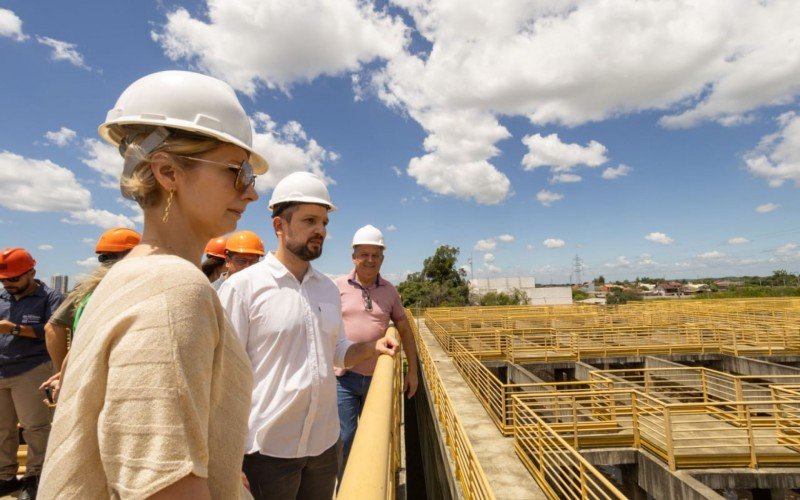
{"points": [[485, 285], [60, 283], [556, 295]]}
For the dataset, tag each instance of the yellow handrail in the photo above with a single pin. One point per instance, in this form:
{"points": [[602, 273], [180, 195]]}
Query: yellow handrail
{"points": [[371, 466]]}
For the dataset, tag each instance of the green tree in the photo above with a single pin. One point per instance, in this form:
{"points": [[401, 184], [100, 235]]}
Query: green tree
{"points": [[600, 280], [514, 297], [439, 283]]}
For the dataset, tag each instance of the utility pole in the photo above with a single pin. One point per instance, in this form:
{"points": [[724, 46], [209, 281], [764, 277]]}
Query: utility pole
{"points": [[577, 269]]}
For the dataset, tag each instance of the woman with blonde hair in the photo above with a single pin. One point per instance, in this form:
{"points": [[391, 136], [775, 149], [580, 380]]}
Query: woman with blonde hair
{"points": [[154, 402]]}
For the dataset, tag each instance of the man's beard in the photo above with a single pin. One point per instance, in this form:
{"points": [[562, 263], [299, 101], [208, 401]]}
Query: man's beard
{"points": [[303, 251]]}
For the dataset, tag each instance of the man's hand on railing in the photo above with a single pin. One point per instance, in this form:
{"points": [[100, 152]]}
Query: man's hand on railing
{"points": [[410, 383], [386, 345]]}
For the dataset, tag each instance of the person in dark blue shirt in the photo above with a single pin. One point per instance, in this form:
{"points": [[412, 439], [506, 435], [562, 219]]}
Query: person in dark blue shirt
{"points": [[25, 306]]}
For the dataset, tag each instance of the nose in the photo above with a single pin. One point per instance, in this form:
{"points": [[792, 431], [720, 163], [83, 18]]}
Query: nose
{"points": [[250, 194]]}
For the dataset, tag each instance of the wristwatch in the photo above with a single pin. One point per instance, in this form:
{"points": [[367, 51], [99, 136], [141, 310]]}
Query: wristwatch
{"points": [[16, 330]]}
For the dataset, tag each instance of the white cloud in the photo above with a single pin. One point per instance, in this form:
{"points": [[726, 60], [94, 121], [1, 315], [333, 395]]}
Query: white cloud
{"points": [[616, 172], [660, 238], [712, 68], [458, 146], [397, 171], [486, 245], [739, 240], [491, 268], [565, 178], [488, 258], [288, 149], [63, 51], [391, 227], [39, 186], [100, 218], [714, 254], [45, 247], [105, 159], [250, 43], [490, 244], [88, 262], [788, 250], [89, 241], [777, 156], [551, 152], [767, 208], [621, 262], [529, 246], [547, 198], [11, 25], [553, 243], [60, 137]]}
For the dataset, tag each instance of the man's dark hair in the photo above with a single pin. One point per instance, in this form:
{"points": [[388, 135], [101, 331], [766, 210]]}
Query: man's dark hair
{"points": [[211, 264], [285, 210]]}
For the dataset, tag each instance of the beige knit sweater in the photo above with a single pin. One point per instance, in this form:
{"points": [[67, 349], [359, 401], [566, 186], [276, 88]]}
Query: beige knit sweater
{"points": [[157, 387]]}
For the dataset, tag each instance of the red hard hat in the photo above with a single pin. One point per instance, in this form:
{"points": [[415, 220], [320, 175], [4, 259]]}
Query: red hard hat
{"points": [[15, 262], [216, 247], [118, 239]]}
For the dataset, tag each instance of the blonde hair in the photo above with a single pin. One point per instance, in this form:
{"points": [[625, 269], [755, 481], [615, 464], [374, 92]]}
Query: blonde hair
{"points": [[87, 286], [142, 184]]}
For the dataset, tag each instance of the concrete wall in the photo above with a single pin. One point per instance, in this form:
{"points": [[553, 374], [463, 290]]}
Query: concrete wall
{"points": [[750, 366], [552, 295]]}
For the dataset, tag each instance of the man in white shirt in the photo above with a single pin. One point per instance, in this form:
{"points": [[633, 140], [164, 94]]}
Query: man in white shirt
{"points": [[288, 317]]}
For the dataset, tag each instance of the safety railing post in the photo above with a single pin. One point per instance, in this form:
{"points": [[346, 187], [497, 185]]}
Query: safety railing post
{"points": [[751, 441], [670, 445]]}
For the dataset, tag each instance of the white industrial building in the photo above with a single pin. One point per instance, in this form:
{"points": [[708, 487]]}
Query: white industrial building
{"points": [[538, 296]]}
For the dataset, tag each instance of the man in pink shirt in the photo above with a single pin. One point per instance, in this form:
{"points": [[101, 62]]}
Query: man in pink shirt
{"points": [[369, 302]]}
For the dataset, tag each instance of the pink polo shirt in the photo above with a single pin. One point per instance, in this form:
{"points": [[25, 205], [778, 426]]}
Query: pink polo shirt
{"points": [[361, 325]]}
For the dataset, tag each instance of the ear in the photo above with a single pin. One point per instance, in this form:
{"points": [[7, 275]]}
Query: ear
{"points": [[277, 226], [166, 172]]}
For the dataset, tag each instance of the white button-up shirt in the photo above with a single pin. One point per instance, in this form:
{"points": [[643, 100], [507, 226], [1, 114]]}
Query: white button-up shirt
{"points": [[293, 334]]}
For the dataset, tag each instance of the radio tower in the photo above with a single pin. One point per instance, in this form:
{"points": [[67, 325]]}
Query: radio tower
{"points": [[577, 270]]}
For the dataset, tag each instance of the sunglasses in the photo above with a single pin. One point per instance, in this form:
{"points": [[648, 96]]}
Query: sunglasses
{"points": [[245, 177], [367, 300], [244, 261]]}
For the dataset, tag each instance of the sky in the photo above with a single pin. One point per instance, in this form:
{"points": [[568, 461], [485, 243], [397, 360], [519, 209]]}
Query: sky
{"points": [[654, 138]]}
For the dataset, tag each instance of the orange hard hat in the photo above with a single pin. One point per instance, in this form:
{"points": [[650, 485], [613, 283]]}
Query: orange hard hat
{"points": [[216, 247], [245, 242], [15, 262], [118, 239]]}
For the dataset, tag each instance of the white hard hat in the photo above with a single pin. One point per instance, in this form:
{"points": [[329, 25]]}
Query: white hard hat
{"points": [[182, 100], [369, 235], [302, 187]]}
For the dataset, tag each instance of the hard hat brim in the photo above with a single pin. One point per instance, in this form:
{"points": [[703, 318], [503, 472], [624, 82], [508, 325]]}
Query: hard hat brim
{"points": [[106, 131]]}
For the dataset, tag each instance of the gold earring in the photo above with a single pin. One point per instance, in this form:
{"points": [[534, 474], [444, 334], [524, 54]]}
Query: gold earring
{"points": [[165, 217]]}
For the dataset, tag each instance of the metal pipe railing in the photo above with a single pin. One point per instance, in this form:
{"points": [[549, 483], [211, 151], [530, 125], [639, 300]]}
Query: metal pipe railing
{"points": [[372, 465]]}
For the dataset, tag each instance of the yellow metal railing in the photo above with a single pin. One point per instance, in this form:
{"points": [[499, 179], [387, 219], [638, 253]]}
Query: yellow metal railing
{"points": [[553, 333], [374, 459], [468, 470], [558, 468]]}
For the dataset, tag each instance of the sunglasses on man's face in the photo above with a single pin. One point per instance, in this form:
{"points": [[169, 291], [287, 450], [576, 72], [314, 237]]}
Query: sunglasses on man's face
{"points": [[244, 172]]}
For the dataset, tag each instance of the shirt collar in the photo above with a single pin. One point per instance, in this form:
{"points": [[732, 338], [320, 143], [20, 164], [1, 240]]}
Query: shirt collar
{"points": [[351, 278], [278, 270]]}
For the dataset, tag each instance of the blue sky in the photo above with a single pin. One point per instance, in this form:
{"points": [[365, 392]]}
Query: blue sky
{"points": [[651, 138]]}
